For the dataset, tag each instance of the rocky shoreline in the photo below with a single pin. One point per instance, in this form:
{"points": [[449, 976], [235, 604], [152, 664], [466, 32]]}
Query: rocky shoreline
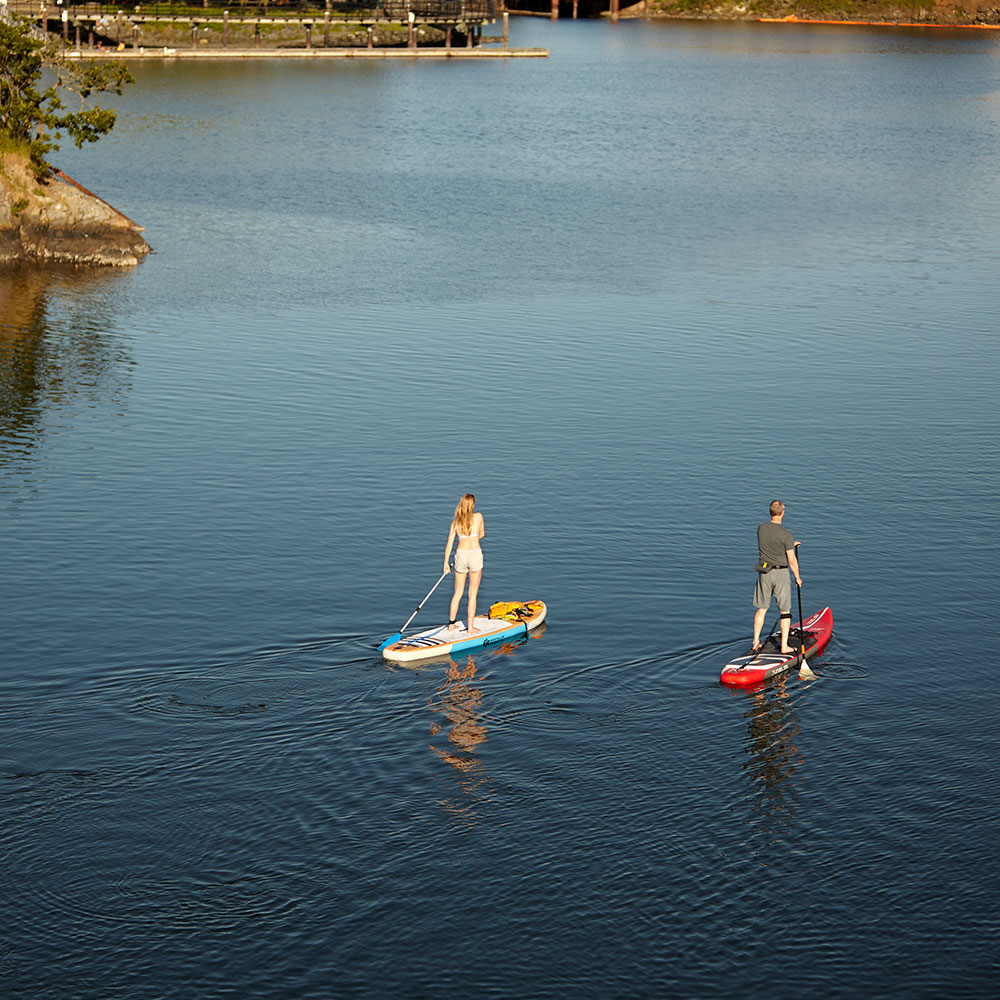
{"points": [[56, 220], [942, 13]]}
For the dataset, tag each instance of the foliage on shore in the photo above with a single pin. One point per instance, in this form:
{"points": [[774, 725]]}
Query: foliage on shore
{"points": [[34, 115], [44, 215]]}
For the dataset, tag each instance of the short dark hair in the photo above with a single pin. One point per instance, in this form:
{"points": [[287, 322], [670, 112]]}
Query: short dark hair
{"points": [[777, 507]]}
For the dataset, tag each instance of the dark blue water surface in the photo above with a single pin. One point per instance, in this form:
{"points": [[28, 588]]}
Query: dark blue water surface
{"points": [[626, 295]]}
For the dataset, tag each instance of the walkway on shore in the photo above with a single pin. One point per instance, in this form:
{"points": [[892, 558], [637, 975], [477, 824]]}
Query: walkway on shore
{"points": [[436, 52]]}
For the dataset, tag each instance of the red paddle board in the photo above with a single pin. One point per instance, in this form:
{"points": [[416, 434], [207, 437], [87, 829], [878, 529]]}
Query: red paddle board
{"points": [[768, 661]]}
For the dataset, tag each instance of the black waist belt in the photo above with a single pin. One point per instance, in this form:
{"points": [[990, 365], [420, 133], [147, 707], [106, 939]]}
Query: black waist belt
{"points": [[769, 568]]}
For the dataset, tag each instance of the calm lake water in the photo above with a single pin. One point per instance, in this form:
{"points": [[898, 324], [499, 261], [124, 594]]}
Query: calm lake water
{"points": [[627, 295]]}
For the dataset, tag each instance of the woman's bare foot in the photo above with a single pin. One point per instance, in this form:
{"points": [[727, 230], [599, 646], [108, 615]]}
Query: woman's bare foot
{"points": [[453, 626], [473, 631]]}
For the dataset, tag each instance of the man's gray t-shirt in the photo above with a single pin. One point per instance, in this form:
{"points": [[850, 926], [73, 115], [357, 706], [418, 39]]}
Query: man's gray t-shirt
{"points": [[773, 541]]}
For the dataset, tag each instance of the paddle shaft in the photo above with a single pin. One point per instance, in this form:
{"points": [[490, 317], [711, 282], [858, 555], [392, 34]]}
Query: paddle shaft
{"points": [[424, 601], [399, 634], [802, 631]]}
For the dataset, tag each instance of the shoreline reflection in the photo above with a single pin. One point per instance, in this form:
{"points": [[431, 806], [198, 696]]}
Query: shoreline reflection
{"points": [[58, 348]]}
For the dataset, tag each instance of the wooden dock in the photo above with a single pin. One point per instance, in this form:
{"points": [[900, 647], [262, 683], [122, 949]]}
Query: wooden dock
{"points": [[103, 31]]}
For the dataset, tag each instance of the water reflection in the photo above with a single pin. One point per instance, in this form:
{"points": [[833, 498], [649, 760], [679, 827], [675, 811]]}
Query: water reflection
{"points": [[774, 758], [460, 701], [56, 349]]}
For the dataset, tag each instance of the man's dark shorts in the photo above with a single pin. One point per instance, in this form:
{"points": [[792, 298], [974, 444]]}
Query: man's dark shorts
{"points": [[774, 583]]}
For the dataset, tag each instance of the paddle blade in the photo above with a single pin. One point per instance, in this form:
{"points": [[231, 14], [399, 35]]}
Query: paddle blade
{"points": [[391, 640], [806, 673]]}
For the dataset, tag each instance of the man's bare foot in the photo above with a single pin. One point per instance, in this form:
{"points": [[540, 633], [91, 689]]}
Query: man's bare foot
{"points": [[787, 651]]}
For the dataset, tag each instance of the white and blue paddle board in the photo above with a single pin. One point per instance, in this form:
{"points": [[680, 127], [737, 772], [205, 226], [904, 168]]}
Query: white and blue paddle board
{"points": [[440, 640]]}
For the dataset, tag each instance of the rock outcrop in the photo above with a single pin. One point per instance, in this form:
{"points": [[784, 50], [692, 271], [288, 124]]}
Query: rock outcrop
{"points": [[57, 220]]}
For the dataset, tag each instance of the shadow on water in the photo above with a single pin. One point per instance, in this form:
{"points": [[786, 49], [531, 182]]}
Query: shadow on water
{"points": [[241, 682], [51, 365]]}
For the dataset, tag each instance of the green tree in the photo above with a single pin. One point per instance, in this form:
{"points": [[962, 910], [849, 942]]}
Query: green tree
{"points": [[35, 77]]}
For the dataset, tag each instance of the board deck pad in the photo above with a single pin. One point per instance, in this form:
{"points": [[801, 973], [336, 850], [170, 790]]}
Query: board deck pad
{"points": [[769, 661], [439, 640]]}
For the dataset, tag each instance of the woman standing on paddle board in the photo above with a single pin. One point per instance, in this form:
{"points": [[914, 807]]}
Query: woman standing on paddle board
{"points": [[468, 526]]}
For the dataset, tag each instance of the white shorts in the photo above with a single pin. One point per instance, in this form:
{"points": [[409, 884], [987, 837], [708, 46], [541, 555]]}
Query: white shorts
{"points": [[468, 560]]}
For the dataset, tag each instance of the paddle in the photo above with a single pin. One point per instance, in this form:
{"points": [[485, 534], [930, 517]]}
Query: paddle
{"points": [[399, 634], [804, 671]]}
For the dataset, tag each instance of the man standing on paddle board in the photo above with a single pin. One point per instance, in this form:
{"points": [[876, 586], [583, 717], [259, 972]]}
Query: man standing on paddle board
{"points": [[777, 555]]}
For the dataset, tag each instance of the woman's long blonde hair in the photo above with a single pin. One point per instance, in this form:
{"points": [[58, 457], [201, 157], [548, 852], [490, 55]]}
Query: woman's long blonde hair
{"points": [[463, 514]]}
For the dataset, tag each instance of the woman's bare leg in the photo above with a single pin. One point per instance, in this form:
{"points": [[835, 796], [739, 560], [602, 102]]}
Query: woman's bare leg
{"points": [[474, 578], [457, 598]]}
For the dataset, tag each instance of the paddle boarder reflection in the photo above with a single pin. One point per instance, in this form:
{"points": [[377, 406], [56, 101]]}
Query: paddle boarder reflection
{"points": [[774, 758], [460, 702]]}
